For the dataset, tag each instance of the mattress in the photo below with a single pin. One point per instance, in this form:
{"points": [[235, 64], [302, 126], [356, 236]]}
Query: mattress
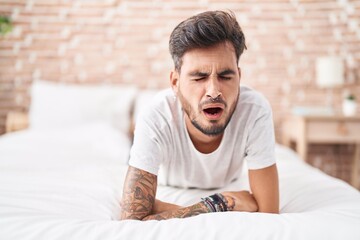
{"points": [[67, 183]]}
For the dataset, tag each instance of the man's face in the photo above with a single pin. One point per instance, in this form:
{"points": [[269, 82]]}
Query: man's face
{"points": [[208, 87]]}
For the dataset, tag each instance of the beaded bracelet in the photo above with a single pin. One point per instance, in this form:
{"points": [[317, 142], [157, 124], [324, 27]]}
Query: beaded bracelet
{"points": [[215, 203], [209, 204]]}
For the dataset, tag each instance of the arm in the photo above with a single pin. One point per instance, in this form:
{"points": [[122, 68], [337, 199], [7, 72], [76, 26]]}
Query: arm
{"points": [[180, 212], [264, 185], [138, 195], [237, 201], [138, 201]]}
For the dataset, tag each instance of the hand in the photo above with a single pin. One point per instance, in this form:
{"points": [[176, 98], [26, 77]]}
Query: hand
{"points": [[241, 201]]}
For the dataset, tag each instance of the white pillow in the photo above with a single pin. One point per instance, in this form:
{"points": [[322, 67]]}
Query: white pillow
{"points": [[56, 105]]}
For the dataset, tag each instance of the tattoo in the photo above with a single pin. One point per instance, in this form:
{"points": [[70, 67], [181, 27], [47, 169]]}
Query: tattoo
{"points": [[185, 212], [139, 197], [139, 194]]}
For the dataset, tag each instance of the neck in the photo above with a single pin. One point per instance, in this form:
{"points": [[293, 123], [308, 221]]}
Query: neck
{"points": [[202, 142]]}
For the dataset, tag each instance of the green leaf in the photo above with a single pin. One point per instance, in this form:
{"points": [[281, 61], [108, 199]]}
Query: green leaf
{"points": [[5, 25]]}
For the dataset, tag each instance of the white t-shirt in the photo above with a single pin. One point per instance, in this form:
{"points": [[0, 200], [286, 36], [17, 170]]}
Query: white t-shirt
{"points": [[162, 145]]}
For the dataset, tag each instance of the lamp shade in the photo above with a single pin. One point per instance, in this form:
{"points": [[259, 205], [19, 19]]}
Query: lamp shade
{"points": [[329, 72]]}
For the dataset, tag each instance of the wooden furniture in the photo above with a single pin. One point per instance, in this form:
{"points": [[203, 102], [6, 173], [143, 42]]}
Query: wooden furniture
{"points": [[306, 130], [16, 121]]}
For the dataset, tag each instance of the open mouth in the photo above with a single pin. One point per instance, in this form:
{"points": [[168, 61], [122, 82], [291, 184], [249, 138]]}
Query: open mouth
{"points": [[213, 113]]}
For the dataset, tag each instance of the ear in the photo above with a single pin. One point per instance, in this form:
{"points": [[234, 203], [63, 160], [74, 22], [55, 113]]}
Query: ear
{"points": [[174, 81]]}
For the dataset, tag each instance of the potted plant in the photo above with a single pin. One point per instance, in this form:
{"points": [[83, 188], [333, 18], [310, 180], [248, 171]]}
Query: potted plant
{"points": [[349, 105], [5, 25]]}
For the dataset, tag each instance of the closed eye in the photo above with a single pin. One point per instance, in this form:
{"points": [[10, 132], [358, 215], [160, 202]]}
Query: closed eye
{"points": [[198, 79], [227, 74], [225, 78]]}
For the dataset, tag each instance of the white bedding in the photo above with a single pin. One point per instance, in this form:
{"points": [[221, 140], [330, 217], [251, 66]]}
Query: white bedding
{"points": [[66, 184]]}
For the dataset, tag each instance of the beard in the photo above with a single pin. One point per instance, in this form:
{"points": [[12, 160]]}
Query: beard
{"points": [[214, 129]]}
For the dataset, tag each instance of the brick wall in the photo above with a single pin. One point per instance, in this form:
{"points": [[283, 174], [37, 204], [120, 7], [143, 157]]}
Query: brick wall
{"points": [[122, 41]]}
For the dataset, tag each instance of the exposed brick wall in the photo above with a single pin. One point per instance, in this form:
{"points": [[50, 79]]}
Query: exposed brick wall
{"points": [[124, 41]]}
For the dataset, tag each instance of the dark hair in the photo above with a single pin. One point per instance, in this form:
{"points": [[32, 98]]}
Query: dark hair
{"points": [[204, 30]]}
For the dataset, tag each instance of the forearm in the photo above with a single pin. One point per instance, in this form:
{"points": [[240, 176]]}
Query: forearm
{"points": [[214, 203], [160, 206], [139, 194], [227, 201], [264, 184], [183, 212]]}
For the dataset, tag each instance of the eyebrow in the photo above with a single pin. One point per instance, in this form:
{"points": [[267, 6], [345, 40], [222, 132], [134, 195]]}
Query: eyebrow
{"points": [[198, 73], [226, 72]]}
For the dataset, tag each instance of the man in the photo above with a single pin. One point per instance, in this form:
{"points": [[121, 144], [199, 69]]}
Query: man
{"points": [[199, 134]]}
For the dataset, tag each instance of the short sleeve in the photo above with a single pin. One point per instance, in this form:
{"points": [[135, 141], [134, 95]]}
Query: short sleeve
{"points": [[147, 151], [260, 145]]}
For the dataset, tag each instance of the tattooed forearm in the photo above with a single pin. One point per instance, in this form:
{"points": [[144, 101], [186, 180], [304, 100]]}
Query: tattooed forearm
{"points": [[138, 195], [185, 212]]}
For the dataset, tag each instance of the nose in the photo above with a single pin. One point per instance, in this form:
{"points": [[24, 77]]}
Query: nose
{"points": [[213, 89]]}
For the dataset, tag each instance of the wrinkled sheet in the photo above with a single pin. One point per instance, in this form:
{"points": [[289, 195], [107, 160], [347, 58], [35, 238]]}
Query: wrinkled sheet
{"points": [[66, 184]]}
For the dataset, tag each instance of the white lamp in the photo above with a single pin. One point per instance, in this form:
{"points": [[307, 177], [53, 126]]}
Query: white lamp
{"points": [[329, 74]]}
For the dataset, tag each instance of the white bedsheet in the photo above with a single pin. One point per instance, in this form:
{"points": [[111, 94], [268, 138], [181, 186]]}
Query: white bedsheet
{"points": [[66, 184]]}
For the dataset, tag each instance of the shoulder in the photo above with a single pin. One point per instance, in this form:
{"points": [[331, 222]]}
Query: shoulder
{"points": [[251, 106], [250, 98], [164, 96], [163, 103], [151, 100], [158, 109]]}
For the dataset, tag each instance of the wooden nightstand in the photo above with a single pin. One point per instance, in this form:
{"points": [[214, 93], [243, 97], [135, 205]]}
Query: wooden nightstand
{"points": [[16, 121], [305, 130]]}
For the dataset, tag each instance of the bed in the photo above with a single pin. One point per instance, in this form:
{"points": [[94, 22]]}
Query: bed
{"points": [[64, 181]]}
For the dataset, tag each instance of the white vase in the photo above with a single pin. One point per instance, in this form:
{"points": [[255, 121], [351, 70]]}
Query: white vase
{"points": [[349, 107]]}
